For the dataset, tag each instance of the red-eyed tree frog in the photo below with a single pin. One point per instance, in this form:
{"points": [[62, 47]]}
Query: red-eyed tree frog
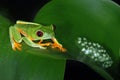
{"points": [[30, 32]]}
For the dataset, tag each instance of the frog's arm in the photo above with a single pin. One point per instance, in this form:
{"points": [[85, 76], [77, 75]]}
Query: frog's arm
{"points": [[29, 42], [55, 44], [44, 44]]}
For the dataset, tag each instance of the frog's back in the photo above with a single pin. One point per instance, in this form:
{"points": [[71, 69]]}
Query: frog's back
{"points": [[27, 26], [24, 22]]}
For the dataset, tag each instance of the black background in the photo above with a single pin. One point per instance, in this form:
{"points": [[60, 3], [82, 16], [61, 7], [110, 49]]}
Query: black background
{"points": [[26, 10]]}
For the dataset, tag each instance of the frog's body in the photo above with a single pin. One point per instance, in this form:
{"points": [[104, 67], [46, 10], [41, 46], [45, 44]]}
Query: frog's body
{"points": [[29, 32]]}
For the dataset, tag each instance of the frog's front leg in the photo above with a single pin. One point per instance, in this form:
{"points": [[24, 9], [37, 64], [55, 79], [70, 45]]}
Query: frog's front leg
{"points": [[56, 44], [29, 42], [44, 44], [15, 38]]}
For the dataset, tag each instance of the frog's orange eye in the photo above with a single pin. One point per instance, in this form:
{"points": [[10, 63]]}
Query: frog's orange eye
{"points": [[39, 33]]}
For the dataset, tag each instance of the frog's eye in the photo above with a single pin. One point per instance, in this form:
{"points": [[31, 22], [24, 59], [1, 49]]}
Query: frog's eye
{"points": [[39, 33]]}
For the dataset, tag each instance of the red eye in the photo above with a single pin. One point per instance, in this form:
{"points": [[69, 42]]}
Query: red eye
{"points": [[39, 33]]}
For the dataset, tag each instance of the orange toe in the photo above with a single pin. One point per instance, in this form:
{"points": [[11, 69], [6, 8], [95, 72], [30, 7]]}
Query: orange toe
{"points": [[59, 46], [17, 46]]}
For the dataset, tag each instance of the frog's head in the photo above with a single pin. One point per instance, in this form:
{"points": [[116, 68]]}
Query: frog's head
{"points": [[44, 33]]}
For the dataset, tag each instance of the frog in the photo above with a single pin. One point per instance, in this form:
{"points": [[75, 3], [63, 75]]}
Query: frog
{"points": [[29, 32]]}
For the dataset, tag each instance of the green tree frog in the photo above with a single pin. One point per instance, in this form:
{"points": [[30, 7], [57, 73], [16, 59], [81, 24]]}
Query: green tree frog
{"points": [[30, 32]]}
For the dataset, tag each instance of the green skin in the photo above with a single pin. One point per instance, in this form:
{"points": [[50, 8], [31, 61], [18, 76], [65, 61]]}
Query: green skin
{"points": [[27, 32]]}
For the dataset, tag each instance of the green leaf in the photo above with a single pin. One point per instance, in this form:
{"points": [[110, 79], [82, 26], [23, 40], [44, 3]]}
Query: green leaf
{"points": [[28, 64], [97, 20]]}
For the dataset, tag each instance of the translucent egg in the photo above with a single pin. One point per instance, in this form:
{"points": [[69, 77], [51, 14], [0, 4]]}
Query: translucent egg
{"points": [[95, 52]]}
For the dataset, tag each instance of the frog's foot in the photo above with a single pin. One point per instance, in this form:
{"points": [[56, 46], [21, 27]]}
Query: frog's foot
{"points": [[57, 45], [16, 46]]}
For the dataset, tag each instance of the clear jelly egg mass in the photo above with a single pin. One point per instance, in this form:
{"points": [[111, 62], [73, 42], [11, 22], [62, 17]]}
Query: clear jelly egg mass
{"points": [[94, 51]]}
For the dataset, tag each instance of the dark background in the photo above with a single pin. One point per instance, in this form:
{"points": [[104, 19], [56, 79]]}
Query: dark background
{"points": [[26, 10]]}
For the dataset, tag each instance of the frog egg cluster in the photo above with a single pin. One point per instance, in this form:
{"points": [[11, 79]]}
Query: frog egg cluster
{"points": [[95, 52]]}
